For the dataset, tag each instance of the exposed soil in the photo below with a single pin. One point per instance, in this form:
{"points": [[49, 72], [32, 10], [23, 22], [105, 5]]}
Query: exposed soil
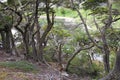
{"points": [[45, 72]]}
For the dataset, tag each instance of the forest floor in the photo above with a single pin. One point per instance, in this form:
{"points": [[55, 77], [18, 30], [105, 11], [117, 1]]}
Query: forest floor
{"points": [[44, 73]]}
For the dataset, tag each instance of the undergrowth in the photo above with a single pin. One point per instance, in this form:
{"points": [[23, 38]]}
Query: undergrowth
{"points": [[20, 65]]}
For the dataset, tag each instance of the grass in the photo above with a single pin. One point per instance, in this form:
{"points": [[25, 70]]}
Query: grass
{"points": [[65, 12], [20, 65]]}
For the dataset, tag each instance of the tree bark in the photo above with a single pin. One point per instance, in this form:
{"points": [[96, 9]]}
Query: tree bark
{"points": [[13, 46], [59, 54], [106, 53], [41, 39], [74, 54], [26, 46], [38, 37], [115, 73], [104, 48], [3, 36], [34, 51], [8, 40]]}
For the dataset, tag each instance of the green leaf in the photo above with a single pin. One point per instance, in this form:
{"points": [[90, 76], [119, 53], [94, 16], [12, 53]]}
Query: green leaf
{"points": [[11, 2]]}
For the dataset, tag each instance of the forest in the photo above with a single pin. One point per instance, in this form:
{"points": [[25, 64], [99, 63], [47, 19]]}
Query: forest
{"points": [[59, 40]]}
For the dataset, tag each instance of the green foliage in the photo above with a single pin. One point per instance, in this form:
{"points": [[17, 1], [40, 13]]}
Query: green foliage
{"points": [[60, 32], [80, 69], [11, 2], [116, 5], [65, 12], [74, 67], [113, 37], [100, 7], [48, 57], [79, 64], [82, 66], [100, 10], [79, 36], [5, 20], [112, 59], [49, 52], [98, 68], [69, 49], [20, 65], [92, 4]]}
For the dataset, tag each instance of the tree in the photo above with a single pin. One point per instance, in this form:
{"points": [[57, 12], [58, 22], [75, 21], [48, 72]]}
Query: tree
{"points": [[6, 34], [105, 47], [107, 24], [114, 74], [28, 24]]}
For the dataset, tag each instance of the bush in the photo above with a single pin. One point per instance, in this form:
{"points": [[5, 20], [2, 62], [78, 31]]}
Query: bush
{"points": [[80, 65]]}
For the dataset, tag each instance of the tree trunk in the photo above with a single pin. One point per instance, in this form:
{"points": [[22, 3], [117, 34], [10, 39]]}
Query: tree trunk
{"points": [[34, 51], [105, 50], [13, 47], [3, 36], [106, 61], [41, 54], [73, 56], [115, 73], [39, 40], [8, 45], [59, 54], [26, 46]]}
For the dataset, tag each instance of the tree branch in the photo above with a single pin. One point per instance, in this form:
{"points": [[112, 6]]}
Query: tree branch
{"points": [[85, 25], [17, 13], [116, 19], [47, 11], [76, 53]]}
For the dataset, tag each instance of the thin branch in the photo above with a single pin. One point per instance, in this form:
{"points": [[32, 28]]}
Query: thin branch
{"points": [[115, 33], [97, 26], [76, 53], [23, 6], [35, 33], [116, 19], [53, 17], [17, 13], [50, 22], [47, 11], [85, 25]]}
